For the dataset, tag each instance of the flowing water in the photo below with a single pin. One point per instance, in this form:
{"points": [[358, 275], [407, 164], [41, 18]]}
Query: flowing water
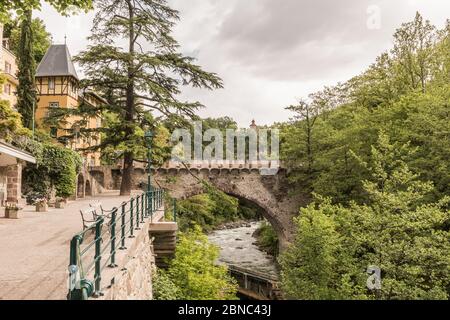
{"points": [[237, 248]]}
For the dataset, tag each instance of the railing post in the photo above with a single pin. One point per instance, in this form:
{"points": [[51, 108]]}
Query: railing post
{"points": [[122, 227], [159, 198], [174, 210], [131, 218], [98, 256], [146, 203], [74, 250], [113, 238], [138, 207], [151, 202], [142, 208], [73, 267]]}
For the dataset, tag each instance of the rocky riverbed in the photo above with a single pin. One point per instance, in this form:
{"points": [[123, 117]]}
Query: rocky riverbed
{"points": [[238, 247]]}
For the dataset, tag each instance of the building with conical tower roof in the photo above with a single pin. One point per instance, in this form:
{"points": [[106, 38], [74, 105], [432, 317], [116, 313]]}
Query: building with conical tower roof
{"points": [[57, 86]]}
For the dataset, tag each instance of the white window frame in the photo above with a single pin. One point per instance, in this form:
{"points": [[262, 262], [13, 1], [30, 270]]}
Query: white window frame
{"points": [[8, 67], [52, 82]]}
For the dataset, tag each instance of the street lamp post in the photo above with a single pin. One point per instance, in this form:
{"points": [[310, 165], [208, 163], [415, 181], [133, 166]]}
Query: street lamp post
{"points": [[34, 111], [148, 138]]}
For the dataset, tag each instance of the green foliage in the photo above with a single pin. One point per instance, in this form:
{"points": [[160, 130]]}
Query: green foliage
{"points": [[63, 6], [208, 210], [164, 288], [380, 157], [267, 238], [41, 38], [308, 265], [405, 93], [26, 95], [197, 210], [221, 123], [160, 151], [137, 83], [194, 270], [10, 120], [397, 230], [57, 167], [225, 206], [249, 211]]}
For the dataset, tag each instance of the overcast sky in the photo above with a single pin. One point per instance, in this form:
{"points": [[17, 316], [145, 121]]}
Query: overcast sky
{"points": [[272, 52]]}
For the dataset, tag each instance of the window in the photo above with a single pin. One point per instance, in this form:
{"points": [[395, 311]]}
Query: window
{"points": [[7, 89], [53, 105], [7, 67], [99, 122], [54, 132], [51, 83], [73, 87]]}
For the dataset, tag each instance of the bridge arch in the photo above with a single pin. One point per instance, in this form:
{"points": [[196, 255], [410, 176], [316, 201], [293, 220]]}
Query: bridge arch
{"points": [[271, 193], [267, 193]]}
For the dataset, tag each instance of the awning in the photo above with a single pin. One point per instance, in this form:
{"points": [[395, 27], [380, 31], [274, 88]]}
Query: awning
{"points": [[12, 151]]}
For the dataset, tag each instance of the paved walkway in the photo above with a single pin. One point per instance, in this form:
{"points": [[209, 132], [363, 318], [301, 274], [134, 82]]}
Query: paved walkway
{"points": [[34, 250]]}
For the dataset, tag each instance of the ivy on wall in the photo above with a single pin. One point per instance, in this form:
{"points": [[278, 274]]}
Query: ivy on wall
{"points": [[10, 120], [56, 168]]}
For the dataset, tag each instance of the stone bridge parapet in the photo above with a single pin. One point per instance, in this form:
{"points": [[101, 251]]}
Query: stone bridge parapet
{"points": [[245, 181]]}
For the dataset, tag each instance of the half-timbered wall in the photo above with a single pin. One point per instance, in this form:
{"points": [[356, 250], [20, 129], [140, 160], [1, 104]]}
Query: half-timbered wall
{"points": [[50, 86]]}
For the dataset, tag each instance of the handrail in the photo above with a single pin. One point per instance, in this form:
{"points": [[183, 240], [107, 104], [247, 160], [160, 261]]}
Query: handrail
{"points": [[100, 252]]}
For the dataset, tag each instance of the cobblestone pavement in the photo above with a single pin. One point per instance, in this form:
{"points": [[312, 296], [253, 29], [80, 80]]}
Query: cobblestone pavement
{"points": [[34, 250]]}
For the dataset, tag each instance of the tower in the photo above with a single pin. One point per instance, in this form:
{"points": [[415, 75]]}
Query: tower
{"points": [[56, 84]]}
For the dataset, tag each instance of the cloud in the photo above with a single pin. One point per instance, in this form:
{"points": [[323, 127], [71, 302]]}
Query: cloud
{"points": [[271, 52]]}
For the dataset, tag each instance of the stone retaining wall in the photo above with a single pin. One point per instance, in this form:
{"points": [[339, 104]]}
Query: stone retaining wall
{"points": [[132, 280]]}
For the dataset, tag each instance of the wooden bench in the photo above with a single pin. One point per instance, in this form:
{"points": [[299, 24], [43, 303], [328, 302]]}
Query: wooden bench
{"points": [[97, 205], [90, 215]]}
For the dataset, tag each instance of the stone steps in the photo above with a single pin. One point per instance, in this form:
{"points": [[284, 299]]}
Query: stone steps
{"points": [[164, 242]]}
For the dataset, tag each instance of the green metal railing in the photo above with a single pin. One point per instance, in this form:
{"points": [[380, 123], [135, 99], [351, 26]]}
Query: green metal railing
{"points": [[94, 249]]}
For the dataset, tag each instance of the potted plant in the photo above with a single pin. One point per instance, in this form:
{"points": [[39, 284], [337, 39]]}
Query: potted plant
{"points": [[60, 203], [12, 211], [41, 205]]}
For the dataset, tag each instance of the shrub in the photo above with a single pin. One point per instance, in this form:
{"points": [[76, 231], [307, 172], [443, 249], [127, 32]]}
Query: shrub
{"points": [[195, 272]]}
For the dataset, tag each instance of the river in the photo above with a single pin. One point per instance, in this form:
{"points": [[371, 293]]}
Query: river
{"points": [[237, 248]]}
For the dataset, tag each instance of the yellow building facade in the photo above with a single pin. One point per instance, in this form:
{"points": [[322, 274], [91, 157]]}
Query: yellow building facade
{"points": [[8, 68], [57, 86]]}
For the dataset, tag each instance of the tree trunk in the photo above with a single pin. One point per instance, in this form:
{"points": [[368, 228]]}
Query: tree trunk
{"points": [[126, 185]]}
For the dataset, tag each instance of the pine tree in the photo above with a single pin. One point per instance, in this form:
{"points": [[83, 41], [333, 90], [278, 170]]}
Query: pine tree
{"points": [[26, 95], [141, 81]]}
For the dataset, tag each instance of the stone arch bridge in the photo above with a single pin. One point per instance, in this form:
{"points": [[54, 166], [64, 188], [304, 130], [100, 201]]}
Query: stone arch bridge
{"points": [[247, 182]]}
